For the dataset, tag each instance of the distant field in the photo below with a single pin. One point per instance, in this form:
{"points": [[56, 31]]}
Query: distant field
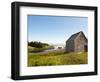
{"points": [[57, 58], [34, 49]]}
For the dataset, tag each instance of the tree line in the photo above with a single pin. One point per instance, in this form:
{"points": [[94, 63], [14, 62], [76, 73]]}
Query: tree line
{"points": [[37, 44]]}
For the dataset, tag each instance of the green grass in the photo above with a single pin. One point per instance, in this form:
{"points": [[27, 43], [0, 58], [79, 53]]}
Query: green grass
{"points": [[34, 49], [57, 58]]}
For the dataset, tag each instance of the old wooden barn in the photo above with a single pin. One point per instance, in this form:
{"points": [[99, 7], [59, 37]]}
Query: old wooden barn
{"points": [[77, 43]]}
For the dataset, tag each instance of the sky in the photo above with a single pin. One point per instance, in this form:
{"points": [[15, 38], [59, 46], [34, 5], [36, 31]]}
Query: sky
{"points": [[55, 29]]}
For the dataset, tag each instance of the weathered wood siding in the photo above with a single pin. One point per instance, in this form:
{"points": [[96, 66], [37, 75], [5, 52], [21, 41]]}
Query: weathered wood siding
{"points": [[70, 46], [80, 43]]}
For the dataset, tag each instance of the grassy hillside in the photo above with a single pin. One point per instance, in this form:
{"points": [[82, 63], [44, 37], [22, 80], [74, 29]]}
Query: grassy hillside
{"points": [[34, 49], [57, 58]]}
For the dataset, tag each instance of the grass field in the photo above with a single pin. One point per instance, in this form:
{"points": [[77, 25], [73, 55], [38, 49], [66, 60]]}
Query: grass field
{"points": [[34, 49], [57, 58]]}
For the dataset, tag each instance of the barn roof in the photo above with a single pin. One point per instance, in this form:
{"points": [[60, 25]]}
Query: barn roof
{"points": [[73, 37]]}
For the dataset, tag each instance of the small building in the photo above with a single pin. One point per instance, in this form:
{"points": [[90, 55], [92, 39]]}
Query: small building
{"points": [[77, 43], [59, 47]]}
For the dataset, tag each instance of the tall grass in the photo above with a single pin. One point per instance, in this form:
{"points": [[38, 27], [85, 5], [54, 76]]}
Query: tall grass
{"points": [[57, 58]]}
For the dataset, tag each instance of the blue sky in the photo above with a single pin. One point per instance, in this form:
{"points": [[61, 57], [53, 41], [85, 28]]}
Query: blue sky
{"points": [[55, 29]]}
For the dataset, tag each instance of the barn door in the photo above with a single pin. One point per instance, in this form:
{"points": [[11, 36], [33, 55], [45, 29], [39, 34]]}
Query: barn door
{"points": [[85, 48]]}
